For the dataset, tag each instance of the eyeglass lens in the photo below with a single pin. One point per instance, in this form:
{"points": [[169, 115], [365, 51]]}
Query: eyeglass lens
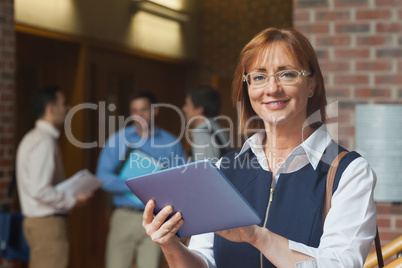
{"points": [[282, 77]]}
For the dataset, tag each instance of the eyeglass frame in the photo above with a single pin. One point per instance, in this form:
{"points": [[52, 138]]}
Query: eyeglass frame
{"points": [[301, 72]]}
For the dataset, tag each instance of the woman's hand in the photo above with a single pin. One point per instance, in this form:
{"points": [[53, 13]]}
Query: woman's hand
{"points": [[161, 232], [248, 234]]}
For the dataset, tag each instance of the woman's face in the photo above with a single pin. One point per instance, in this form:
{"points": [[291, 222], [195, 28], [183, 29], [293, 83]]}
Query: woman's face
{"points": [[280, 104]]}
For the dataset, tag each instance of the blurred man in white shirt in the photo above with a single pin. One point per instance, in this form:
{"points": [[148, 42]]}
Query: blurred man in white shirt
{"points": [[39, 169]]}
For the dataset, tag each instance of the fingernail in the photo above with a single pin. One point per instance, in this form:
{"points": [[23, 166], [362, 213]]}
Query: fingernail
{"points": [[178, 215]]}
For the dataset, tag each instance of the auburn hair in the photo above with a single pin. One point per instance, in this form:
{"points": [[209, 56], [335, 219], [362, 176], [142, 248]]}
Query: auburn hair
{"points": [[298, 48]]}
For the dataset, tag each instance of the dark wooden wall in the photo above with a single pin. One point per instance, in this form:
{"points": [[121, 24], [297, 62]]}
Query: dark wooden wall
{"points": [[96, 75]]}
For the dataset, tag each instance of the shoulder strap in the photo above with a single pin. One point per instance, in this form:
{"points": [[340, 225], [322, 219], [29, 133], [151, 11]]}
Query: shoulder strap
{"points": [[327, 203], [330, 183], [378, 250]]}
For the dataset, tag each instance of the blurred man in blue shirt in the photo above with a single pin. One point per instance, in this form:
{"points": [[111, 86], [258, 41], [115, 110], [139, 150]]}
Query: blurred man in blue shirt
{"points": [[127, 238]]}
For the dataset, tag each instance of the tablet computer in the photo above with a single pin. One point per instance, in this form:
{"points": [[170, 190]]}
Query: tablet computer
{"points": [[137, 163], [206, 199]]}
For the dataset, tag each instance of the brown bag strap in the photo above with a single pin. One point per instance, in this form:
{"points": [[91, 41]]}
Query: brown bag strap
{"points": [[330, 184], [327, 203]]}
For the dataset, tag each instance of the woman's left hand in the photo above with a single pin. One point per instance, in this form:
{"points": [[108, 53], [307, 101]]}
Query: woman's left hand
{"points": [[248, 234]]}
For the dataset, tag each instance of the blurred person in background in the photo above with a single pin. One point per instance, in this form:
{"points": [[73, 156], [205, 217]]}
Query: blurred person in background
{"points": [[39, 169], [208, 139], [127, 239]]}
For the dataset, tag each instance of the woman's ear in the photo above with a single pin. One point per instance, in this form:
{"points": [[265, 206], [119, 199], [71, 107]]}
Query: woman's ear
{"points": [[312, 86]]}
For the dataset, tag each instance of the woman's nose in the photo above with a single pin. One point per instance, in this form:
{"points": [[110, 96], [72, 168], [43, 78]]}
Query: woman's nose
{"points": [[272, 85]]}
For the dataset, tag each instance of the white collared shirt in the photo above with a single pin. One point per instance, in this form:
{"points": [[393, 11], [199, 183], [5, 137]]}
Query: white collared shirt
{"points": [[39, 168], [349, 228], [204, 144]]}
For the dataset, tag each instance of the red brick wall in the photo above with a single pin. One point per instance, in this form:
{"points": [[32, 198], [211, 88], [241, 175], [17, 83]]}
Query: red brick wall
{"points": [[225, 27], [7, 65], [7, 62], [359, 46]]}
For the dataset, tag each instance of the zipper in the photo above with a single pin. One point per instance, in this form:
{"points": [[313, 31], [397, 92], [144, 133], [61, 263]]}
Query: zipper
{"points": [[271, 197]]}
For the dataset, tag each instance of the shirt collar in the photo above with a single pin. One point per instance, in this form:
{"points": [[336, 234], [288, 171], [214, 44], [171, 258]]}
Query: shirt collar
{"points": [[313, 147], [48, 127]]}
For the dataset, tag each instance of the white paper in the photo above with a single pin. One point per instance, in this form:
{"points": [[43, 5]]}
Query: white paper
{"points": [[82, 182]]}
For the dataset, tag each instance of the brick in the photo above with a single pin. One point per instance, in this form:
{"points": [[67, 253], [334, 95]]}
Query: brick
{"points": [[396, 209], [310, 3], [389, 3], [332, 15], [392, 27], [370, 14], [301, 15], [308, 28], [331, 66], [338, 92], [321, 54], [372, 93], [325, 77], [333, 41], [388, 79], [373, 40], [383, 208], [353, 28], [384, 222], [7, 59], [352, 53], [387, 236], [398, 223], [373, 66], [347, 131], [351, 79], [392, 53], [348, 3], [345, 116]]}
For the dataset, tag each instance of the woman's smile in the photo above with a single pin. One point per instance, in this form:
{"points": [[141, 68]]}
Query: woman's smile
{"points": [[274, 105]]}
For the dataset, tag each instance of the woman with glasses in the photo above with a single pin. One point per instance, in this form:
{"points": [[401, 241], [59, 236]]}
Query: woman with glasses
{"points": [[281, 171]]}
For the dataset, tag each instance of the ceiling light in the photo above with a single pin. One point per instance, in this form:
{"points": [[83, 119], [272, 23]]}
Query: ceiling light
{"points": [[159, 10]]}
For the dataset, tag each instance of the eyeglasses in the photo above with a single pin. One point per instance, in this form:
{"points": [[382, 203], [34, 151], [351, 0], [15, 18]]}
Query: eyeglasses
{"points": [[287, 77]]}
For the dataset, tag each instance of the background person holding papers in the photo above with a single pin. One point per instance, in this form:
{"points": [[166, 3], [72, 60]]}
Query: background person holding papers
{"points": [[137, 146], [39, 169], [281, 171]]}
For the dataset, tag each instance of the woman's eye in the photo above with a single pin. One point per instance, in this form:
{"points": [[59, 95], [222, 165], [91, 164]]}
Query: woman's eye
{"points": [[287, 75], [258, 78]]}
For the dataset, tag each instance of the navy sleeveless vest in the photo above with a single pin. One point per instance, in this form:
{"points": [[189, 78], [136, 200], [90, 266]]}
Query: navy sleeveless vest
{"points": [[295, 211]]}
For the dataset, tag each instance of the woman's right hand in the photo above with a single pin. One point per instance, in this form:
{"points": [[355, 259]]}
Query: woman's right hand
{"points": [[161, 232]]}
